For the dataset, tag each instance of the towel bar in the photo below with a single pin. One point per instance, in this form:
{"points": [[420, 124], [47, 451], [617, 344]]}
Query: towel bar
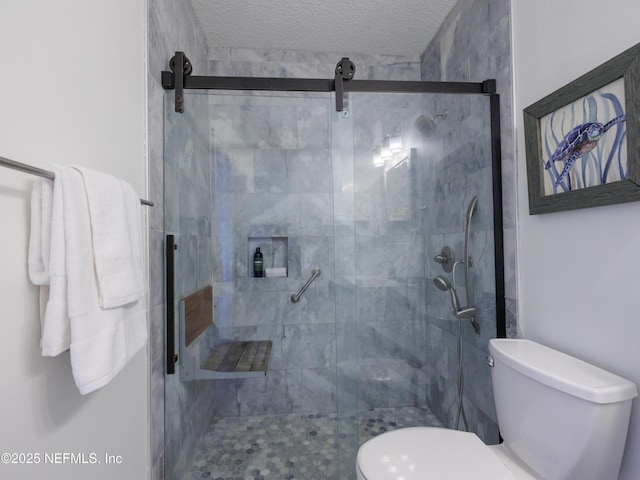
{"points": [[23, 167]]}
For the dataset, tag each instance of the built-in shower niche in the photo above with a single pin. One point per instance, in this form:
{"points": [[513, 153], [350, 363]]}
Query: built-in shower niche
{"points": [[275, 256]]}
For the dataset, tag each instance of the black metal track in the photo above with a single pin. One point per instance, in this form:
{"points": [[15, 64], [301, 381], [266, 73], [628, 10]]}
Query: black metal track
{"points": [[180, 78], [324, 85], [259, 83], [498, 237]]}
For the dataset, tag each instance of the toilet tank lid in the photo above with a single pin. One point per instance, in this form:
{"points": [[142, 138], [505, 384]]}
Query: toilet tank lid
{"points": [[561, 371]]}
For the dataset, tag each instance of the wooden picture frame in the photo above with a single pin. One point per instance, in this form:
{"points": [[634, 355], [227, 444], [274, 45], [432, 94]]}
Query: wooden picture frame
{"points": [[582, 141]]}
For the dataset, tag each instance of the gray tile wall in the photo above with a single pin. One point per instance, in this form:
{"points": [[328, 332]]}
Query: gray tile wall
{"points": [[397, 358], [293, 64], [473, 45], [300, 381], [279, 182], [172, 26], [391, 351]]}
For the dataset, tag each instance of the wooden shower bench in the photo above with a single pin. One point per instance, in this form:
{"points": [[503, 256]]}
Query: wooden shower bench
{"points": [[234, 359]]}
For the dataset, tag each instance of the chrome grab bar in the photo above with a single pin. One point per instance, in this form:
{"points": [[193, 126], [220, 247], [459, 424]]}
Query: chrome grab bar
{"points": [[295, 298]]}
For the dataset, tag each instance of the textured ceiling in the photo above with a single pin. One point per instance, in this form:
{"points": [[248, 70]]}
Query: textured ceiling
{"points": [[400, 27]]}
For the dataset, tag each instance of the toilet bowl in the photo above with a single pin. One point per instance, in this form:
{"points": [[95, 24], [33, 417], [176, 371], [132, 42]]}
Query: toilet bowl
{"points": [[421, 453], [552, 411]]}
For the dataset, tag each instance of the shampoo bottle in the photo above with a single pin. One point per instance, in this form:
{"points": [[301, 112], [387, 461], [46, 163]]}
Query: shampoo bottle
{"points": [[257, 263]]}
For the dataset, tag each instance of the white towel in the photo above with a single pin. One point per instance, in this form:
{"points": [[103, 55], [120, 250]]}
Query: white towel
{"points": [[276, 272], [101, 340], [40, 239], [47, 266], [116, 222], [55, 336]]}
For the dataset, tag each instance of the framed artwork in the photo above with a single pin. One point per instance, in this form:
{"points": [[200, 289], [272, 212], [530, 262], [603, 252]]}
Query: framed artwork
{"points": [[583, 140]]}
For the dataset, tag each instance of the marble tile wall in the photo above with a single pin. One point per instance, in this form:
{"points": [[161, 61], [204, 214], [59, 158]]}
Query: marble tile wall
{"points": [[272, 182], [172, 26], [473, 45], [188, 216], [280, 181], [294, 64], [391, 369], [269, 182], [389, 256]]}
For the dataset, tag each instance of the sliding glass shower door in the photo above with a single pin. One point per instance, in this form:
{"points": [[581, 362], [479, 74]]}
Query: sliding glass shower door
{"points": [[397, 353], [367, 196]]}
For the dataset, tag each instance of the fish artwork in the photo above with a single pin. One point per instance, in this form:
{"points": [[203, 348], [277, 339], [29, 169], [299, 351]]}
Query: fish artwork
{"points": [[578, 142]]}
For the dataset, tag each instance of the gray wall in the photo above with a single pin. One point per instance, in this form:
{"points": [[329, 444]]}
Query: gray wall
{"points": [[297, 376], [172, 26], [86, 121], [276, 178], [272, 174], [399, 358], [473, 45]]}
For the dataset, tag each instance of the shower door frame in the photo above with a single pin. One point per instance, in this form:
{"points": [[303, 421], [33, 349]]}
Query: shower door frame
{"points": [[344, 84]]}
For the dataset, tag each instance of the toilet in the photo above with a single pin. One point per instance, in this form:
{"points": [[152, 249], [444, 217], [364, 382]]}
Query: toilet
{"points": [[560, 418]]}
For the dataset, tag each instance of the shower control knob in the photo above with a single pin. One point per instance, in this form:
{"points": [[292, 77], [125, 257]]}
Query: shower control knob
{"points": [[441, 258], [445, 258]]}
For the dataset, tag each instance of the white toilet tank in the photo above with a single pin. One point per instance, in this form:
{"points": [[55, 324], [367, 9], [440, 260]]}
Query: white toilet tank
{"points": [[564, 418]]}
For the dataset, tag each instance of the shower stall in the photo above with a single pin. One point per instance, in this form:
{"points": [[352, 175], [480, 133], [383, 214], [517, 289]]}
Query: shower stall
{"points": [[350, 190]]}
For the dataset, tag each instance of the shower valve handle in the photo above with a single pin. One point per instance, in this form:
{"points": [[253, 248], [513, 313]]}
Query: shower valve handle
{"points": [[445, 258], [441, 258]]}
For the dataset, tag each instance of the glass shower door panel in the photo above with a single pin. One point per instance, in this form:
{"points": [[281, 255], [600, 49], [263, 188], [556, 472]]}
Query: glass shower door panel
{"points": [[345, 289], [397, 361], [187, 216], [242, 172], [371, 345], [271, 164]]}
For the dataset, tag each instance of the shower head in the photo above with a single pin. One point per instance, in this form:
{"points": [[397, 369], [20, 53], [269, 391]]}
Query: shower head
{"points": [[472, 207], [426, 125], [445, 285], [442, 283]]}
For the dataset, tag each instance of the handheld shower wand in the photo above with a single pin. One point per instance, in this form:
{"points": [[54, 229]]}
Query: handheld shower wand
{"points": [[444, 284], [469, 311], [461, 313], [467, 259]]}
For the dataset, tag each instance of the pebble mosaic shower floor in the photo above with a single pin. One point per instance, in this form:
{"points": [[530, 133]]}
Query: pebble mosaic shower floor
{"points": [[295, 446]]}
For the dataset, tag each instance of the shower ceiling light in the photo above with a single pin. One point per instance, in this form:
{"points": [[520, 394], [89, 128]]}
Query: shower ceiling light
{"points": [[395, 143], [386, 150], [377, 157]]}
